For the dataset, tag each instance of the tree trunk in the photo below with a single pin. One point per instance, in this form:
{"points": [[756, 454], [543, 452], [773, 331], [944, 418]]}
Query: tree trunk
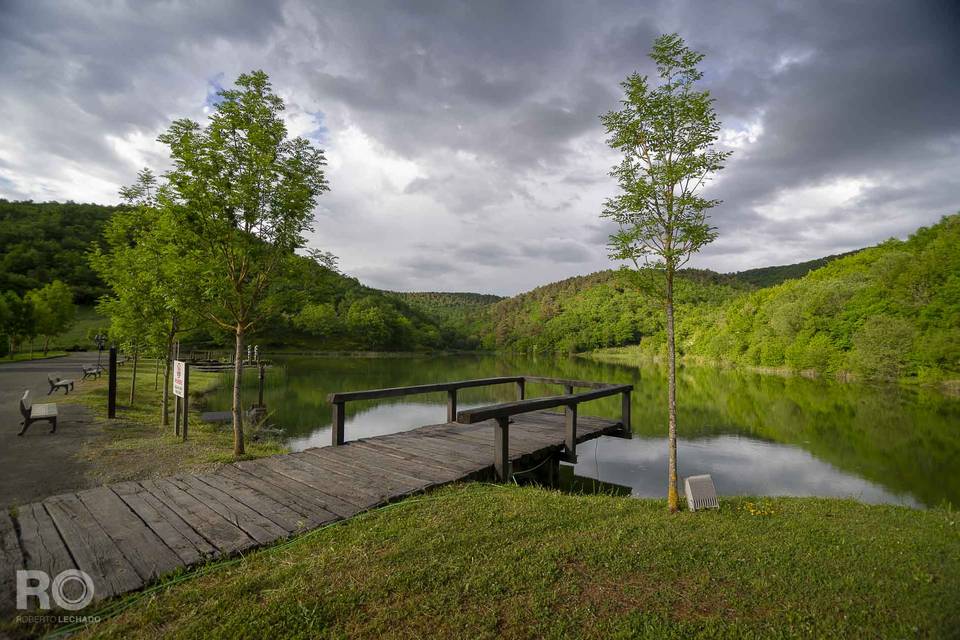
{"points": [[672, 499], [156, 375], [46, 345], [237, 407], [133, 381]]}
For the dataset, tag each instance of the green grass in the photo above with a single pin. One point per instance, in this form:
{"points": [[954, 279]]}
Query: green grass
{"points": [[136, 445], [34, 355], [88, 321], [485, 561]]}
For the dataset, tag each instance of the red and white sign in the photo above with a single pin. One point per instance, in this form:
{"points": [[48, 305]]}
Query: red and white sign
{"points": [[178, 375]]}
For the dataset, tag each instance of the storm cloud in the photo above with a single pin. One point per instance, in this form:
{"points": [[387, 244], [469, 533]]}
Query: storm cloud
{"points": [[464, 142]]}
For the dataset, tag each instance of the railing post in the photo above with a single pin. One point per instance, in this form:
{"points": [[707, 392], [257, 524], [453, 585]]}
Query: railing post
{"points": [[452, 405], [501, 449], [570, 438], [625, 414], [521, 389], [568, 389], [338, 418]]}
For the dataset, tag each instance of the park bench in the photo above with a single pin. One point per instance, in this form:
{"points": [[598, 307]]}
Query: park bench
{"points": [[122, 360], [57, 383], [35, 412], [91, 372]]}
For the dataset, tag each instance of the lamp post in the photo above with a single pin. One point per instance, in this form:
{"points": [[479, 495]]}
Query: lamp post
{"points": [[101, 340]]}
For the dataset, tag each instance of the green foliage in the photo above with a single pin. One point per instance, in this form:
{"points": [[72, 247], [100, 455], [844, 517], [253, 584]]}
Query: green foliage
{"points": [[770, 276], [53, 310], [45, 241], [886, 312]]}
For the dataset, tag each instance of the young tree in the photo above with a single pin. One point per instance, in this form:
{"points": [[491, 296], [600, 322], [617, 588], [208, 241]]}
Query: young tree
{"points": [[246, 194], [153, 275], [53, 310], [20, 324], [666, 134]]}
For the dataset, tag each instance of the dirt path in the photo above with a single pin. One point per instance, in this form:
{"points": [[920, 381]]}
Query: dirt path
{"points": [[40, 464]]}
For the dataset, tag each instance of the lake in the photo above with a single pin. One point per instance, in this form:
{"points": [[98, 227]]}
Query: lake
{"points": [[756, 434]]}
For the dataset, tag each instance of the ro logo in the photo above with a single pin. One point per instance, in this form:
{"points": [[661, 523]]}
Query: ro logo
{"points": [[71, 589]]}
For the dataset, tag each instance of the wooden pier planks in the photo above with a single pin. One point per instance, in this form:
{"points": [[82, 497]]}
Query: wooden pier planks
{"points": [[128, 534]]}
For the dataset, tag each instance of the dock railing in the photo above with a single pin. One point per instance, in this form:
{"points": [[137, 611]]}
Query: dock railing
{"points": [[502, 412]]}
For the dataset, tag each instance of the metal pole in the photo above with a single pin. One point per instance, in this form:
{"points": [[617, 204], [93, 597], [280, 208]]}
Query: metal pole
{"points": [[112, 384], [186, 399], [260, 387]]}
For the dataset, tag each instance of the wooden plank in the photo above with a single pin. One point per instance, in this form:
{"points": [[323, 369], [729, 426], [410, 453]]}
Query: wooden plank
{"points": [[312, 515], [437, 449], [253, 524], [383, 487], [43, 548], [91, 547], [285, 517], [222, 534], [339, 485], [367, 456], [142, 548], [190, 546], [521, 441], [11, 561], [418, 457], [353, 463], [271, 471], [336, 498]]}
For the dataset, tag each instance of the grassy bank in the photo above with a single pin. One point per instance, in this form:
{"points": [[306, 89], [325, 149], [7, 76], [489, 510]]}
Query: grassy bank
{"points": [[28, 355], [135, 445], [484, 561]]}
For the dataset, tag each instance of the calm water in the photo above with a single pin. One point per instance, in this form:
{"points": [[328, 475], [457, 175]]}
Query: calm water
{"points": [[756, 434]]}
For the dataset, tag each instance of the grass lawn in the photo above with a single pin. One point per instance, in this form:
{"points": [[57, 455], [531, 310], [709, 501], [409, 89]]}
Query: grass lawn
{"points": [[136, 446], [28, 355], [486, 561]]}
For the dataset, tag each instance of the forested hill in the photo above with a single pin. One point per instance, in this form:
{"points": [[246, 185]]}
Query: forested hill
{"points": [[45, 241], [452, 308], [318, 309], [889, 311], [770, 276]]}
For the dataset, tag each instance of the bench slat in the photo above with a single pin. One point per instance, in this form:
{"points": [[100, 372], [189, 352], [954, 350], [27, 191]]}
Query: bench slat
{"points": [[43, 410]]}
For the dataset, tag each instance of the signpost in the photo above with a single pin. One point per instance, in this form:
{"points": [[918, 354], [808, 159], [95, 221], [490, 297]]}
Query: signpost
{"points": [[181, 392]]}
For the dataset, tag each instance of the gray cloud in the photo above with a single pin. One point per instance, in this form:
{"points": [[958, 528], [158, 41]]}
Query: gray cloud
{"points": [[465, 147]]}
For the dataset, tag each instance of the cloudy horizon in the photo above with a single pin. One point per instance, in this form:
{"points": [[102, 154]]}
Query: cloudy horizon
{"points": [[463, 138]]}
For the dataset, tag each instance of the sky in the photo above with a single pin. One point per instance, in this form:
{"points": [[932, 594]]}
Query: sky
{"points": [[463, 139]]}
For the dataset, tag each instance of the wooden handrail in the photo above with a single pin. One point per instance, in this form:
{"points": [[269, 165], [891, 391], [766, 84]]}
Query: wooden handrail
{"points": [[499, 412], [507, 409], [393, 392], [339, 400]]}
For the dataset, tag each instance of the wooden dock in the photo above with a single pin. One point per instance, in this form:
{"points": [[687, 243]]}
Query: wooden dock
{"points": [[126, 535]]}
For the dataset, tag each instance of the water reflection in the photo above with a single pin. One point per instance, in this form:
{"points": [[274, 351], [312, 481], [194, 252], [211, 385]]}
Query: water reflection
{"points": [[739, 466], [757, 434]]}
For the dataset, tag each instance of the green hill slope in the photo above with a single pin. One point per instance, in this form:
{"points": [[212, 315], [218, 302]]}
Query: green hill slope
{"points": [[770, 276], [886, 312]]}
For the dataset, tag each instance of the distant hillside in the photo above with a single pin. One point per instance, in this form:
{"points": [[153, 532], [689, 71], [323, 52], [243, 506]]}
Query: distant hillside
{"points": [[456, 308], [889, 311], [602, 309], [45, 241], [770, 276]]}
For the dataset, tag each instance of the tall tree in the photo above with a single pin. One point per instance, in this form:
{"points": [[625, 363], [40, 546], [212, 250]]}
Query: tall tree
{"points": [[246, 192], [666, 134], [53, 310]]}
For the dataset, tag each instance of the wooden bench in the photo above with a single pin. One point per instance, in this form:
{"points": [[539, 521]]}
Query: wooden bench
{"points": [[36, 412], [91, 372], [57, 383]]}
